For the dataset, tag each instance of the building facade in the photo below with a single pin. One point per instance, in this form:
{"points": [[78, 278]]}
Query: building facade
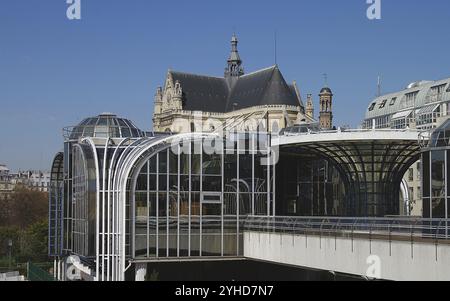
{"points": [[32, 180], [190, 102], [6, 186], [35, 180], [422, 105]]}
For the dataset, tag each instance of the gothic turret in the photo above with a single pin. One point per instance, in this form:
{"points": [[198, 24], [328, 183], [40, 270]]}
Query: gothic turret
{"points": [[234, 63], [177, 97], [310, 107]]}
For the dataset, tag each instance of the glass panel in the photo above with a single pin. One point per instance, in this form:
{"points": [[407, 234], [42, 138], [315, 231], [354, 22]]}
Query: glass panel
{"points": [[125, 132], [184, 164], [113, 122], [438, 208], [195, 163], [426, 208], [195, 183], [152, 204], [212, 164], [448, 208], [101, 131], [114, 132], [212, 183], [195, 235], [438, 173], [162, 182], [448, 172], [153, 164], [88, 131], [173, 162], [121, 123], [426, 174], [141, 223], [92, 121], [163, 162], [102, 121], [141, 244]]}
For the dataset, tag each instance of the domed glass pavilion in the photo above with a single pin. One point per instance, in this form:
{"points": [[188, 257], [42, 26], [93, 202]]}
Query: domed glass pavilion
{"points": [[102, 126], [119, 195]]}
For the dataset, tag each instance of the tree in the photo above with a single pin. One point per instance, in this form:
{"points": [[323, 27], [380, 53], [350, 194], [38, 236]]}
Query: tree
{"points": [[34, 242], [24, 208]]}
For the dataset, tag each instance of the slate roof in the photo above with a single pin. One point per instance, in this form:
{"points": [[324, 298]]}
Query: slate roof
{"points": [[215, 94], [202, 93]]}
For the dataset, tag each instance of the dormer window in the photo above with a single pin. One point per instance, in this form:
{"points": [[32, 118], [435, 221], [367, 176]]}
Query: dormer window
{"points": [[372, 106], [435, 93], [383, 103], [393, 100], [410, 99]]}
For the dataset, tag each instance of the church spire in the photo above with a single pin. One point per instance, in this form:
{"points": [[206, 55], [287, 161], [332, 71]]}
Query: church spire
{"points": [[234, 68]]}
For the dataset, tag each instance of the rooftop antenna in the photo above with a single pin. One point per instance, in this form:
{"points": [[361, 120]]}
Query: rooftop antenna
{"points": [[325, 77], [275, 45], [379, 86]]}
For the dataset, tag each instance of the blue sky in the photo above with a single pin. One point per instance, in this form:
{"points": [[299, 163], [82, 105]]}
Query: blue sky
{"points": [[54, 72]]}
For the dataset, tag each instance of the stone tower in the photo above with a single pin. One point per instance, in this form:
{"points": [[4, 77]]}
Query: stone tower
{"points": [[326, 109], [310, 107]]}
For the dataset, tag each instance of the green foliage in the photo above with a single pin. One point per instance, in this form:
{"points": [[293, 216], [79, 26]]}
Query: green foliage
{"points": [[34, 242], [23, 219], [7, 233], [25, 207], [29, 244]]}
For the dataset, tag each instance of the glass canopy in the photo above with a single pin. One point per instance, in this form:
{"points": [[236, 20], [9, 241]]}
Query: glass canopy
{"points": [[102, 126]]}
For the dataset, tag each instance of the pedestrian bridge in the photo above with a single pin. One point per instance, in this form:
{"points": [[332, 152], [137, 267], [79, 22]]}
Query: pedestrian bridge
{"points": [[399, 249]]}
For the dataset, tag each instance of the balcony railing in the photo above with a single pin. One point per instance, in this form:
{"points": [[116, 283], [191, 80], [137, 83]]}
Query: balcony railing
{"points": [[411, 229], [311, 132]]}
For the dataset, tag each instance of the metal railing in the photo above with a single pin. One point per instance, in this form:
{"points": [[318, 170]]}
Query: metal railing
{"points": [[413, 229], [344, 130]]}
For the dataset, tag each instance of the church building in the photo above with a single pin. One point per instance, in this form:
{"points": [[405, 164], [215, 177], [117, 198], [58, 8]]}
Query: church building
{"points": [[238, 101]]}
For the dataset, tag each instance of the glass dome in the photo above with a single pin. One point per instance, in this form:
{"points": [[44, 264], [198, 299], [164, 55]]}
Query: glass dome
{"points": [[103, 126], [441, 136]]}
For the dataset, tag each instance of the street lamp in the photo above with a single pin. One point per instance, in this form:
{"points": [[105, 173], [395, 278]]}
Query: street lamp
{"points": [[10, 244]]}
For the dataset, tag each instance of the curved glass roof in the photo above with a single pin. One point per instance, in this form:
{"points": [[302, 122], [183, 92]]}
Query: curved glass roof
{"points": [[105, 125], [441, 136]]}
